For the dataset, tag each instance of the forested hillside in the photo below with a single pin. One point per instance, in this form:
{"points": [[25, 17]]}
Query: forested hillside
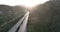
{"points": [[45, 17]]}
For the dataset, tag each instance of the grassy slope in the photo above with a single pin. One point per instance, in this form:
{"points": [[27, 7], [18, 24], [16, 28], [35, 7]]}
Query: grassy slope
{"points": [[45, 18], [9, 16]]}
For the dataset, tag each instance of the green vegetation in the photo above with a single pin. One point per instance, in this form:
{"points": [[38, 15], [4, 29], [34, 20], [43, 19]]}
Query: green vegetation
{"points": [[45, 17], [9, 16]]}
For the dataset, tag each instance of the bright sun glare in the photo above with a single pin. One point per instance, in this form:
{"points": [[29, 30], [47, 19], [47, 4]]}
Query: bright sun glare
{"points": [[27, 3]]}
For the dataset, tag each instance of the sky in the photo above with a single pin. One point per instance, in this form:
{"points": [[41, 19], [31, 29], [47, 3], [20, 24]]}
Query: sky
{"points": [[22, 2]]}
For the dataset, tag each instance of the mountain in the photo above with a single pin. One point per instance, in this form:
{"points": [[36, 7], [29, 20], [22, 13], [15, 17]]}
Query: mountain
{"points": [[9, 16], [45, 17]]}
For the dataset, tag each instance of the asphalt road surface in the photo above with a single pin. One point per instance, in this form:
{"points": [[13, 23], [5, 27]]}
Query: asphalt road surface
{"points": [[21, 25]]}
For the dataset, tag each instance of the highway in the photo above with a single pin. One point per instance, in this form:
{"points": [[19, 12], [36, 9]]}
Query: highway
{"points": [[21, 25]]}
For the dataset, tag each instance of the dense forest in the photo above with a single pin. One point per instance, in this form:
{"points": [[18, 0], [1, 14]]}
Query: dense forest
{"points": [[45, 17], [9, 16]]}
